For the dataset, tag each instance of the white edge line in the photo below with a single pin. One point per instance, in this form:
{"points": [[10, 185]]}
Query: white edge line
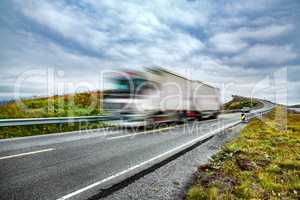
{"points": [[157, 130], [53, 134], [142, 133], [174, 150], [25, 154]]}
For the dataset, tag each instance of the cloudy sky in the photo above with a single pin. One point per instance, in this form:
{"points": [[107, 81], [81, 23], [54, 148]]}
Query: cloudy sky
{"points": [[248, 48]]}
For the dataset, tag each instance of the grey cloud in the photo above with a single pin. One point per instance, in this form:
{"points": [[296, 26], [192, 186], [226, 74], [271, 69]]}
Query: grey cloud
{"points": [[227, 43], [217, 44], [267, 54], [248, 6], [64, 20], [293, 73], [232, 42]]}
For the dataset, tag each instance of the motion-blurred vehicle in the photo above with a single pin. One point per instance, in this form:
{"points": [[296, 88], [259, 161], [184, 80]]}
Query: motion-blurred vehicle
{"points": [[246, 109], [158, 95]]}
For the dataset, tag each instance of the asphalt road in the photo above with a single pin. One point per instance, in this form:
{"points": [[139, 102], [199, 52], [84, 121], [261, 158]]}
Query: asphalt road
{"points": [[77, 165]]}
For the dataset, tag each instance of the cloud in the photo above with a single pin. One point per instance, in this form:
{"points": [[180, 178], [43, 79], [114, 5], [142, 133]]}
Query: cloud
{"points": [[249, 6], [293, 93], [133, 12], [267, 54], [232, 42], [117, 33], [66, 21], [222, 43], [227, 43], [264, 33], [293, 73]]}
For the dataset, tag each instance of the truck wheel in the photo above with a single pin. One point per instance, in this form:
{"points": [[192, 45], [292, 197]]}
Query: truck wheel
{"points": [[215, 116], [181, 117], [199, 117], [150, 123]]}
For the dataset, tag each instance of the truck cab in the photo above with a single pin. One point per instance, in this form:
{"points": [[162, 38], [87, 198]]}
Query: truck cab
{"points": [[128, 100]]}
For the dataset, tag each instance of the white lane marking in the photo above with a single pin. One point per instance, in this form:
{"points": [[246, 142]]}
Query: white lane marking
{"points": [[141, 133], [25, 154], [53, 135], [145, 163], [158, 130]]}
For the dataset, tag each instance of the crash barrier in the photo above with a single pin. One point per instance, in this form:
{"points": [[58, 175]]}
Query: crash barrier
{"points": [[246, 117], [61, 120], [53, 120]]}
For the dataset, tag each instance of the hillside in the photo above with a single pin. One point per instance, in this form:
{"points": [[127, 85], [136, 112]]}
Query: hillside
{"points": [[80, 104], [295, 106], [239, 102]]}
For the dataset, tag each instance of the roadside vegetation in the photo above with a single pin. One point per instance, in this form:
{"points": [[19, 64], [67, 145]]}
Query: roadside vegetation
{"points": [[239, 102], [80, 104], [43, 129], [262, 163]]}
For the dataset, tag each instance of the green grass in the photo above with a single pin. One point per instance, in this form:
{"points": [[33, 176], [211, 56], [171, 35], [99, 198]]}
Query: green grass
{"points": [[80, 104], [240, 102], [262, 163], [41, 129]]}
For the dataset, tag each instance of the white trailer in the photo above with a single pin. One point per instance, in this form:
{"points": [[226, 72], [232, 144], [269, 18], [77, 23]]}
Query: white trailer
{"points": [[163, 96]]}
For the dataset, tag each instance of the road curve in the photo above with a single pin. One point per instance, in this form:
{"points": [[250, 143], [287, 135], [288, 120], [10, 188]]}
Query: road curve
{"points": [[69, 165]]}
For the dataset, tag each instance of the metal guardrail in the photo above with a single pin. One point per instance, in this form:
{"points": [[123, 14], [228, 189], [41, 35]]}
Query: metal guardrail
{"points": [[61, 120], [257, 113], [231, 111], [52, 120]]}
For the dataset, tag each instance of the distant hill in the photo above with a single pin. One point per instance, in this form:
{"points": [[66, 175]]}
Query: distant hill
{"points": [[3, 102], [295, 106], [238, 102], [80, 104]]}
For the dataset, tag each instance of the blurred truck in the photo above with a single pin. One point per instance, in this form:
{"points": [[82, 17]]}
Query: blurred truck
{"points": [[158, 96]]}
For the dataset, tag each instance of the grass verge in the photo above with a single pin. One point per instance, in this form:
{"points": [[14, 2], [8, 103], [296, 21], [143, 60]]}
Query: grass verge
{"points": [[72, 105], [42, 129], [262, 163], [79, 104]]}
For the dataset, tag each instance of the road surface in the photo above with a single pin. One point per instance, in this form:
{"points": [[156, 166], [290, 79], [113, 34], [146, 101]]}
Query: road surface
{"points": [[78, 165]]}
